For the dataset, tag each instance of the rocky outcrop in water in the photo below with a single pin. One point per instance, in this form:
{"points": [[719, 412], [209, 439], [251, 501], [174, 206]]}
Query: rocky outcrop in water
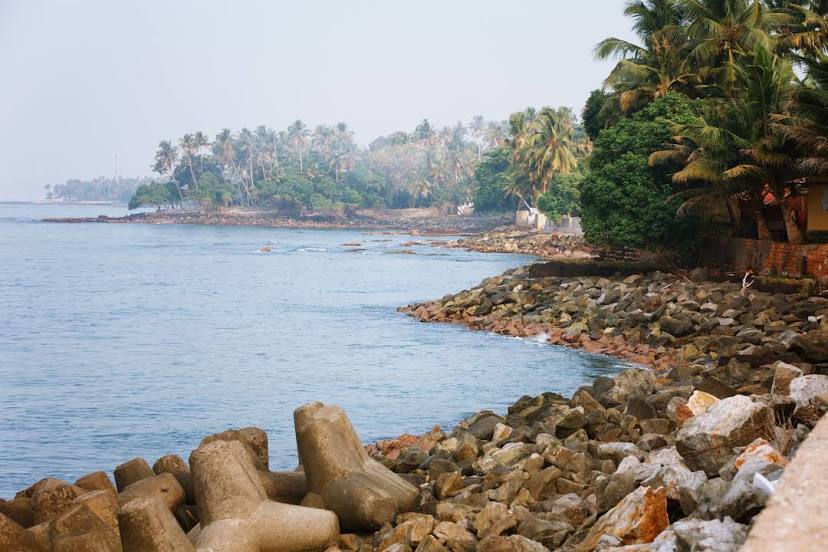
{"points": [[510, 240]]}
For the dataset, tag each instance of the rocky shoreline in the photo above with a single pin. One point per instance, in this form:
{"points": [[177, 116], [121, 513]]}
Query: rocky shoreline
{"points": [[678, 455], [508, 239], [739, 381], [416, 225]]}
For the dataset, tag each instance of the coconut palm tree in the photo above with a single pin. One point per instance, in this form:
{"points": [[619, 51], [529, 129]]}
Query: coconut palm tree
{"points": [[545, 149], [165, 160], [738, 148], [654, 67], [724, 34], [201, 143], [187, 146], [298, 133], [807, 122]]}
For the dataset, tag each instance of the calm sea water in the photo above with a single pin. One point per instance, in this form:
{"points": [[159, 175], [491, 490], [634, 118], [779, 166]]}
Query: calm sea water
{"points": [[119, 341]]}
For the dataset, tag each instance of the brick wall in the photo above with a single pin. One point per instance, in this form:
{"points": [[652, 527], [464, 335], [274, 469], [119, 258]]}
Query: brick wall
{"points": [[766, 257]]}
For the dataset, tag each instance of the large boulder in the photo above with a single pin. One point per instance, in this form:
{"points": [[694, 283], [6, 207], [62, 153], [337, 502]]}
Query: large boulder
{"points": [[364, 494], [637, 519], [805, 388], [706, 441], [627, 384]]}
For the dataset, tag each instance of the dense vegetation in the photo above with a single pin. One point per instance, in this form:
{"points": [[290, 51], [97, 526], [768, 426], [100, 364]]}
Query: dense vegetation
{"points": [[116, 190], [756, 126], [297, 168], [719, 109]]}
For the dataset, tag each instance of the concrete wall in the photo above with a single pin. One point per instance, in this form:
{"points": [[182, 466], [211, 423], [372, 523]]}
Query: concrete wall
{"points": [[766, 257], [817, 212]]}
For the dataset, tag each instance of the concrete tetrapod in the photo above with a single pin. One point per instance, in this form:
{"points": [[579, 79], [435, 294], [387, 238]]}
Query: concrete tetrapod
{"points": [[235, 513], [363, 493], [289, 487]]}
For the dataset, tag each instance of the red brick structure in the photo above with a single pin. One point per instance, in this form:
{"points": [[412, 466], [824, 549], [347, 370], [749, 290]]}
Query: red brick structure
{"points": [[771, 258]]}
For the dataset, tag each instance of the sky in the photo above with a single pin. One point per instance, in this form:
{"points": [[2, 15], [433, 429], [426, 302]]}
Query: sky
{"points": [[83, 82]]}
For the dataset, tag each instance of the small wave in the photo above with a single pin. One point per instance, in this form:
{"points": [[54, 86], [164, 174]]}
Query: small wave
{"points": [[313, 249]]}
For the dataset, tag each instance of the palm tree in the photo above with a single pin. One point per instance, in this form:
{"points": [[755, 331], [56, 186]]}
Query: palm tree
{"points": [[224, 149], [807, 122], [201, 143], [188, 147], [343, 150], [543, 149], [724, 33], [165, 159], [298, 133], [807, 30], [649, 70], [738, 149], [477, 126]]}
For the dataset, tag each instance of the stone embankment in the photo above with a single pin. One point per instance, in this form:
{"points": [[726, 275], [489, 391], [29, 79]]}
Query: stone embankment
{"points": [[510, 240], [661, 460], [386, 220]]}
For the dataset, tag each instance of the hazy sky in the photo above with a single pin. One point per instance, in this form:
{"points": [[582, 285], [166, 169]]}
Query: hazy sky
{"points": [[84, 80]]}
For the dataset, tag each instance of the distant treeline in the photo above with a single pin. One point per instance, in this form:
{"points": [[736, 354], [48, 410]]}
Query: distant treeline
{"points": [[118, 190], [322, 168]]}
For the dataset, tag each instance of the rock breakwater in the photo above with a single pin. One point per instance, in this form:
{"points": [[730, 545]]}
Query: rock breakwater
{"points": [[509, 240], [632, 463]]}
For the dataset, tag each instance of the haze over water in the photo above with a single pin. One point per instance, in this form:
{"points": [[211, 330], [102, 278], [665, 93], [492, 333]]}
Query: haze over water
{"points": [[119, 341]]}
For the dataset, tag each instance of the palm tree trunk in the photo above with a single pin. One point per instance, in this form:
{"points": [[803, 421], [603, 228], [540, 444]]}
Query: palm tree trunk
{"points": [[192, 173], [792, 229], [762, 231]]}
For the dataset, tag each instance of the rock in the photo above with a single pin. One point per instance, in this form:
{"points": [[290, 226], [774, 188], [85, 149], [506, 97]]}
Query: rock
{"points": [[164, 486], [700, 401], [805, 388], [709, 536], [131, 472], [509, 455], [175, 466], [629, 383], [13, 538], [147, 525], [447, 485], [618, 451], [430, 544], [758, 457], [568, 507], [484, 426], [363, 493], [411, 529], [706, 441], [96, 481], [659, 426], [514, 543], [501, 432], [783, 374], [637, 519], [678, 327], [235, 513], [455, 537], [639, 407]]}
